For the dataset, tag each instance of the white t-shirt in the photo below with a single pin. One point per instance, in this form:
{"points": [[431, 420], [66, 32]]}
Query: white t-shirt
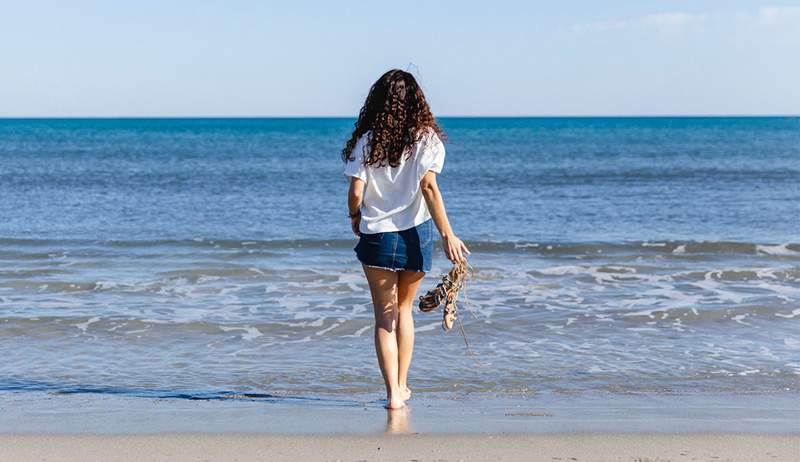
{"points": [[392, 197]]}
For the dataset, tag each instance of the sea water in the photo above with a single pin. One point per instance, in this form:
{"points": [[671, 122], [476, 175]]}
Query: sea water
{"points": [[210, 257]]}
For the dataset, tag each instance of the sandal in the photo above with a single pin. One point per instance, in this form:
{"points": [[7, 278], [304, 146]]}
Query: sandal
{"points": [[446, 292]]}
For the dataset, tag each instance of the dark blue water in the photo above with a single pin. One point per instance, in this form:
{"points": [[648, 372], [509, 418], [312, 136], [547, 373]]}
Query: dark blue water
{"points": [[213, 256], [604, 179]]}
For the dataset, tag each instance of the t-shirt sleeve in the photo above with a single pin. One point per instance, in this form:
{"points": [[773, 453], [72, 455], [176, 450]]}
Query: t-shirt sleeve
{"points": [[435, 150], [355, 168]]}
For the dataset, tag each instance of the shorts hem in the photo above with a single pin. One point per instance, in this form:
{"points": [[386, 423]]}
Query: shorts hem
{"points": [[393, 269]]}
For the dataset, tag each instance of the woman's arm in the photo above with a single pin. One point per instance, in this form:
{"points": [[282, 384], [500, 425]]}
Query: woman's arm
{"points": [[454, 249], [354, 196]]}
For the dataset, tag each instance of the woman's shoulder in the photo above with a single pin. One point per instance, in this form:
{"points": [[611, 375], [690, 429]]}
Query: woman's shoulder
{"points": [[427, 141], [430, 140], [357, 154], [430, 152], [429, 135]]}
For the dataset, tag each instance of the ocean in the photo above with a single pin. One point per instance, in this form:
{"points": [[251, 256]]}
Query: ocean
{"points": [[208, 258]]}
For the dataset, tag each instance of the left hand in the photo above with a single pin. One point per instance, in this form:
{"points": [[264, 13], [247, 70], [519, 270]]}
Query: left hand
{"points": [[355, 222], [455, 249]]}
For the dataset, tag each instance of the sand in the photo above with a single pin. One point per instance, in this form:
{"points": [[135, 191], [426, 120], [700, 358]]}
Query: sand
{"points": [[91, 427], [178, 447]]}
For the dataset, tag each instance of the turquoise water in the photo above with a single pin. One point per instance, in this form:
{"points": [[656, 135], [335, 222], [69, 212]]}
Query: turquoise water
{"points": [[198, 257]]}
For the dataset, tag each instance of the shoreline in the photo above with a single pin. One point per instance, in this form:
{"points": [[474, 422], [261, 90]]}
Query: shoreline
{"points": [[28, 412], [179, 447]]}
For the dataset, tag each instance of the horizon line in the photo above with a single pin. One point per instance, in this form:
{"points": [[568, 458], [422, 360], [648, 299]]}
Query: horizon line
{"points": [[448, 116]]}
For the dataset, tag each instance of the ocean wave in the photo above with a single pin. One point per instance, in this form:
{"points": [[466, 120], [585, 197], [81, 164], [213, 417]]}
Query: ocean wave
{"points": [[11, 248], [654, 310], [211, 281]]}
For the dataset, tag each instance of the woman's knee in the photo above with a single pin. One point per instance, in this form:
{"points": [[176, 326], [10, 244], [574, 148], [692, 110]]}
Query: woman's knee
{"points": [[405, 310], [386, 317], [389, 325]]}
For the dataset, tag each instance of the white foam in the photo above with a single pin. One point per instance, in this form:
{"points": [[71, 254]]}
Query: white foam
{"points": [[427, 327], [250, 332], [361, 331], [781, 290], [156, 321], [749, 372], [792, 343], [352, 280], [643, 329], [645, 301], [323, 331], [795, 312], [648, 313], [710, 284], [204, 278], [105, 285], [58, 304], [118, 326], [780, 249], [763, 273], [85, 325], [358, 308], [563, 270], [228, 290], [739, 317]]}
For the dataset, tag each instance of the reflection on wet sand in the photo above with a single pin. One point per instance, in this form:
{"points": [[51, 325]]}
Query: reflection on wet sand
{"points": [[397, 421]]}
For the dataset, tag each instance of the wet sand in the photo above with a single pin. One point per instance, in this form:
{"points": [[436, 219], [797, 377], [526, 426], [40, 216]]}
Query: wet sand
{"points": [[93, 413], [179, 447], [657, 428]]}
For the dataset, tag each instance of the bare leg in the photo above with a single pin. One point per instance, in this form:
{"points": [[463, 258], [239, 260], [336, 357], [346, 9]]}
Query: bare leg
{"points": [[383, 287], [407, 284]]}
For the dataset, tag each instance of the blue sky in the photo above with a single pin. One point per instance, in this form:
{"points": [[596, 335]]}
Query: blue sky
{"points": [[303, 57]]}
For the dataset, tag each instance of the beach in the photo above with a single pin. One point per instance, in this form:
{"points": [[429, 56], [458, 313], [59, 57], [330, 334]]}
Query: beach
{"points": [[93, 426], [200, 203], [533, 448]]}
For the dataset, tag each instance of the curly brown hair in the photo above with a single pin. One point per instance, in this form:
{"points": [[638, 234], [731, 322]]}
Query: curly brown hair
{"points": [[398, 115]]}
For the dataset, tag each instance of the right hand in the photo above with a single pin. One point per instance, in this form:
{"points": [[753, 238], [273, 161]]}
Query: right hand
{"points": [[454, 249]]}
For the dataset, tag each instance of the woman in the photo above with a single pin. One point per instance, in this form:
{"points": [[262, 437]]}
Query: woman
{"points": [[392, 159]]}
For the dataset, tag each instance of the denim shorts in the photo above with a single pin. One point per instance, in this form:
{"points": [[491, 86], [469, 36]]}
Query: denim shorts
{"points": [[407, 250]]}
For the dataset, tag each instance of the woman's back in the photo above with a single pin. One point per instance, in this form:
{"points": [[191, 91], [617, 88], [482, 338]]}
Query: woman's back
{"points": [[392, 199]]}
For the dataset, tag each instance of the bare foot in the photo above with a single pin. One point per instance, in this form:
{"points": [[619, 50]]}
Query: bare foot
{"points": [[405, 394], [394, 403]]}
